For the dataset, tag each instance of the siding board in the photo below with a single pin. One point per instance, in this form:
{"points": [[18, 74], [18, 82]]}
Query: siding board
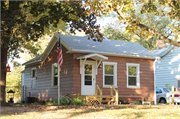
{"points": [[146, 77]]}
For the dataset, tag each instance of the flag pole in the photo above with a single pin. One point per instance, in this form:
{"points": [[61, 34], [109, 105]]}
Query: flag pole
{"points": [[60, 62], [58, 84]]}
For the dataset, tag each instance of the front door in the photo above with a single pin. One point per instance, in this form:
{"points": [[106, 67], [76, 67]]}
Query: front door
{"points": [[88, 78]]}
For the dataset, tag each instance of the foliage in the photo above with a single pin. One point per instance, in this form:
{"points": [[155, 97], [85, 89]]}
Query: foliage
{"points": [[127, 14], [23, 22], [168, 87], [77, 101], [13, 82], [65, 101], [121, 100], [137, 102], [163, 25]]}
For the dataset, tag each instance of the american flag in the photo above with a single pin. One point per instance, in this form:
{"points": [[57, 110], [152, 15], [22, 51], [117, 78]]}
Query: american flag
{"points": [[59, 52]]}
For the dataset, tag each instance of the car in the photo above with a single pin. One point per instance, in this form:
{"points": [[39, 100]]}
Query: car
{"points": [[163, 95]]}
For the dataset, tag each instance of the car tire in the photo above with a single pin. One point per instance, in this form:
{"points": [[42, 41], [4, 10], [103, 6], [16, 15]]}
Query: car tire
{"points": [[162, 101]]}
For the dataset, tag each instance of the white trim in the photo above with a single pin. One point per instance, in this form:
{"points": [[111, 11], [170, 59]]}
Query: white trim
{"points": [[155, 80], [93, 56], [137, 76], [32, 78], [115, 74], [52, 75], [83, 87], [109, 54]]}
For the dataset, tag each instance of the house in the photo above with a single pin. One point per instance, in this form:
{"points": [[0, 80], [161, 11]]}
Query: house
{"points": [[167, 69], [128, 66]]}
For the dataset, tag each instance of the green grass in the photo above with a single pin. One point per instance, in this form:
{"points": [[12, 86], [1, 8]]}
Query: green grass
{"points": [[110, 112]]}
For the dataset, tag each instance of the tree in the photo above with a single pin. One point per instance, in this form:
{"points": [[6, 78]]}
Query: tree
{"points": [[163, 25], [23, 22], [126, 12]]}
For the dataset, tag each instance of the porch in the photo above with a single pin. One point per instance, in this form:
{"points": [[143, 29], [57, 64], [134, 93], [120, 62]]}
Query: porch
{"points": [[99, 98]]}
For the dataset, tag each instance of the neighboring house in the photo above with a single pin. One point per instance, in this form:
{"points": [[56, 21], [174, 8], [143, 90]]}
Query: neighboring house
{"points": [[125, 65], [167, 70]]}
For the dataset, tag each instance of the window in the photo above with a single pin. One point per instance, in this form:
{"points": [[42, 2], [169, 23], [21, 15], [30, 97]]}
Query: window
{"points": [[54, 74], [133, 80], [109, 74], [88, 74], [33, 73], [178, 83], [158, 91]]}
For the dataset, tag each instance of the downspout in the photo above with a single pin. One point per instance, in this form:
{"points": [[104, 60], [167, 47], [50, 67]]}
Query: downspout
{"points": [[155, 79]]}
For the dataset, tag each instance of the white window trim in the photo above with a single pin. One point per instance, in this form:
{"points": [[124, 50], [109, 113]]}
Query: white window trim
{"points": [[52, 74], [32, 78], [115, 74], [138, 74]]}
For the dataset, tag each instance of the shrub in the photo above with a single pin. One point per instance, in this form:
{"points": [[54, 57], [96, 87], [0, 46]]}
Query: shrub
{"points": [[77, 101], [121, 100], [65, 100], [49, 103]]}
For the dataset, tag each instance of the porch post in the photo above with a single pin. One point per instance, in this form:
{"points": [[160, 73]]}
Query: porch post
{"points": [[58, 84]]}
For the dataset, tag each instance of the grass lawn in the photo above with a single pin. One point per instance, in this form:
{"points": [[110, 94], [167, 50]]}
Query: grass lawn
{"points": [[91, 112]]}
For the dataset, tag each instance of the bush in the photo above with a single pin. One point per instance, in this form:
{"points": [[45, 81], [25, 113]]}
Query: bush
{"points": [[77, 101], [49, 103], [121, 100], [65, 100]]}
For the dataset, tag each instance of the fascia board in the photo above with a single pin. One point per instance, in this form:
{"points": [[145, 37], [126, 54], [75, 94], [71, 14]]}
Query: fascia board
{"points": [[49, 48], [167, 51], [109, 54], [32, 63]]}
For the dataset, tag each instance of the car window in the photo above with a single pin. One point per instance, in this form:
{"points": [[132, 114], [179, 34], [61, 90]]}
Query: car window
{"points": [[158, 91], [166, 90]]}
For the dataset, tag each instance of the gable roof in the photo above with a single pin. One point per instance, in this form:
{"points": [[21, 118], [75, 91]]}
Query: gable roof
{"points": [[78, 44], [162, 52], [106, 47]]}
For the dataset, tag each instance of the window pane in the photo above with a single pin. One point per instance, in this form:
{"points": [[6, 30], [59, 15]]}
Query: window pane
{"points": [[158, 91], [178, 83], [88, 69], [55, 81], [33, 73], [55, 70], [132, 81], [109, 69], [88, 80], [131, 70], [108, 80]]}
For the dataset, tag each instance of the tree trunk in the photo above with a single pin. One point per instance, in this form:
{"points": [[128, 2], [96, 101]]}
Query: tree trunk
{"points": [[3, 75]]}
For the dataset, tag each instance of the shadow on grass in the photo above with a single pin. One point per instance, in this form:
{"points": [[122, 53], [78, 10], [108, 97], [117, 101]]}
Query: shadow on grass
{"points": [[76, 110]]}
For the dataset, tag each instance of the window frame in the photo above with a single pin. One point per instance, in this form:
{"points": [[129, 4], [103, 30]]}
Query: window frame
{"points": [[137, 75], [52, 73], [115, 74], [32, 78]]}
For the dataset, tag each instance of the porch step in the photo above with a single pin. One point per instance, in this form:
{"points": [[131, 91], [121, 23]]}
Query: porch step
{"points": [[106, 96], [107, 99]]}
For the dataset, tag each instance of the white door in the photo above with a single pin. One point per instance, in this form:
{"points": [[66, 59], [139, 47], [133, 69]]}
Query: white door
{"points": [[88, 78]]}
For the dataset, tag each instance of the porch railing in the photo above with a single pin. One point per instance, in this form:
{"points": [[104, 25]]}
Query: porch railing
{"points": [[116, 94], [100, 93]]}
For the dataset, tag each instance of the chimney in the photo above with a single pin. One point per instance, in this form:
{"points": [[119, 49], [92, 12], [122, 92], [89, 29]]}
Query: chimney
{"points": [[159, 44]]}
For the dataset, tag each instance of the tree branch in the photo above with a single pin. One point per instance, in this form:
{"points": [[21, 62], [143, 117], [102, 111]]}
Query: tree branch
{"points": [[160, 35]]}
